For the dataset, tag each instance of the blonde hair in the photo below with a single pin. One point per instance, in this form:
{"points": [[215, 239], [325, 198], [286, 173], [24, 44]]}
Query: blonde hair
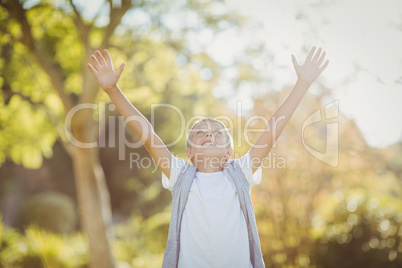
{"points": [[213, 120]]}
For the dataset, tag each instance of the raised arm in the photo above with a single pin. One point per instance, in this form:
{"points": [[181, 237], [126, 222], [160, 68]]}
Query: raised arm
{"points": [[107, 79], [306, 74]]}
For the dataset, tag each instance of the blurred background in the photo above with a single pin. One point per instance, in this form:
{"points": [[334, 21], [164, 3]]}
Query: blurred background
{"points": [[66, 206]]}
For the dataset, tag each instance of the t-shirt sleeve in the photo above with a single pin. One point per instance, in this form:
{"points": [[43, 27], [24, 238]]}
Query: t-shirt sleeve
{"points": [[176, 165], [246, 167]]}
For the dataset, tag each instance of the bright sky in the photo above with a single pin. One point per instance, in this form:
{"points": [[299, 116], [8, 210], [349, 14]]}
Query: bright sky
{"points": [[357, 35]]}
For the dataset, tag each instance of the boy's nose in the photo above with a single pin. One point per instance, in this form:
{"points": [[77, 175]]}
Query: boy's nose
{"points": [[208, 134]]}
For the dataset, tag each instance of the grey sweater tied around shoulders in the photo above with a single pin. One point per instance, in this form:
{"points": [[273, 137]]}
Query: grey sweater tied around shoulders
{"points": [[180, 193]]}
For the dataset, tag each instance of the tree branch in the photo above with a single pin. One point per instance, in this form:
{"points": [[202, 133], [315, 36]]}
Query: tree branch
{"points": [[90, 87], [116, 15], [82, 28], [110, 4], [15, 9]]}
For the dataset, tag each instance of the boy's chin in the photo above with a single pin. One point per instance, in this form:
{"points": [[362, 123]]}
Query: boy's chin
{"points": [[214, 149], [211, 152]]}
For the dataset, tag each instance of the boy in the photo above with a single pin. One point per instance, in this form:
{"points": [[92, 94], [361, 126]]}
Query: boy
{"points": [[212, 222]]}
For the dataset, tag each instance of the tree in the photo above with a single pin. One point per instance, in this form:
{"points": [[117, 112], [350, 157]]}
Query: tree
{"points": [[44, 48]]}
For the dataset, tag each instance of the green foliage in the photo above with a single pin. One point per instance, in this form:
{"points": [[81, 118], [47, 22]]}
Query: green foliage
{"points": [[38, 248], [50, 211], [141, 243], [30, 109], [138, 243], [25, 133], [10, 245], [26, 129], [361, 234]]}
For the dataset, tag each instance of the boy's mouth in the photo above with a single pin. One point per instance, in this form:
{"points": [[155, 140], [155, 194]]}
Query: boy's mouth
{"points": [[208, 144]]}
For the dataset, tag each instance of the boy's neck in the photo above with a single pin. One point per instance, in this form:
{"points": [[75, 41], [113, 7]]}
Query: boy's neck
{"points": [[208, 167]]}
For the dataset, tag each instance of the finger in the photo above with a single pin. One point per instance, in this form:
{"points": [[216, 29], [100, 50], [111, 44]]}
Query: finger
{"points": [[321, 59], [120, 70], [310, 54], [95, 60], [101, 58], [324, 66], [108, 57], [295, 63], [92, 69], [317, 55]]}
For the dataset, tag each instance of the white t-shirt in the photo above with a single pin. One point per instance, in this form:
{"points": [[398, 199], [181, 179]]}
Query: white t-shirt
{"points": [[214, 231]]}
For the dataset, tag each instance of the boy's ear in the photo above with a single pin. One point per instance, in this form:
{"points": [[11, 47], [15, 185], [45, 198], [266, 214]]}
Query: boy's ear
{"points": [[189, 153], [229, 153]]}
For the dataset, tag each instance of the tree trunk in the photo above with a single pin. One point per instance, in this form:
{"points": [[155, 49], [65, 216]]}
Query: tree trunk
{"points": [[93, 206]]}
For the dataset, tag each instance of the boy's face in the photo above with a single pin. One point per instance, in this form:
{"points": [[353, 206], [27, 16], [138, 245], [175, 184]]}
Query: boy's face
{"points": [[209, 139]]}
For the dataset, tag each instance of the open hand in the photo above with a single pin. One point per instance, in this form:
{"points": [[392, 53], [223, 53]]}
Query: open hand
{"points": [[103, 71], [311, 69]]}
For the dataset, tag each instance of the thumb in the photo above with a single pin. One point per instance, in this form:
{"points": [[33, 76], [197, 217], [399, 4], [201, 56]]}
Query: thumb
{"points": [[120, 70]]}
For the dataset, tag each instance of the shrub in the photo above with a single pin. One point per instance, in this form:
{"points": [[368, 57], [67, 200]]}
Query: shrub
{"points": [[39, 248], [52, 211]]}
